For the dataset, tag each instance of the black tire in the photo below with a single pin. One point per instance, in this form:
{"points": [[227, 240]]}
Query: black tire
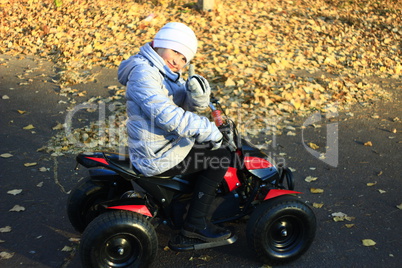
{"points": [[281, 230], [118, 239], [82, 201]]}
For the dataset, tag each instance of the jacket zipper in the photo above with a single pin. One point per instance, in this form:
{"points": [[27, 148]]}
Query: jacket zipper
{"points": [[164, 146]]}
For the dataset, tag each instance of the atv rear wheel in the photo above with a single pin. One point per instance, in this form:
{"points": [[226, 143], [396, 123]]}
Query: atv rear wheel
{"points": [[82, 201], [118, 239], [280, 230]]}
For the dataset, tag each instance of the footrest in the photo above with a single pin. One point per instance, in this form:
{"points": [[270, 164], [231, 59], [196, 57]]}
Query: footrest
{"points": [[182, 243]]}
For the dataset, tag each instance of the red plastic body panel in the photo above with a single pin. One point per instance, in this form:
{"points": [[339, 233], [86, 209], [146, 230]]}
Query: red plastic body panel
{"points": [[140, 209], [97, 159], [252, 162], [231, 178], [278, 192]]}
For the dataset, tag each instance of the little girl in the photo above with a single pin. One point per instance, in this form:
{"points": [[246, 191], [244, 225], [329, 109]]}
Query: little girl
{"points": [[164, 133]]}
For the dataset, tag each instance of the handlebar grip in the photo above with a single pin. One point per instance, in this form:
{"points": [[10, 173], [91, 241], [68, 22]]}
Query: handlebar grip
{"points": [[217, 118]]}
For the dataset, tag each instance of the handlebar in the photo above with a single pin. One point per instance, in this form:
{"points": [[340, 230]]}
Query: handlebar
{"points": [[226, 127]]}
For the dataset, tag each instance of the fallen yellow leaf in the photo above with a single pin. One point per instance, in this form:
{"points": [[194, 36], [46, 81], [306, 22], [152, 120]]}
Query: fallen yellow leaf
{"points": [[368, 242], [43, 169], [399, 206], [41, 149], [67, 248], [6, 255], [205, 258], [74, 239], [30, 126], [371, 183], [340, 216], [316, 190], [230, 83], [15, 191], [313, 146], [310, 179], [21, 112], [17, 208], [58, 127], [6, 155], [6, 229], [318, 205], [30, 164], [369, 143]]}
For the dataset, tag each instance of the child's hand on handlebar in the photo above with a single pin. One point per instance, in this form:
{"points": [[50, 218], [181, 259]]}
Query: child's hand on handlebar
{"points": [[213, 140], [215, 145]]}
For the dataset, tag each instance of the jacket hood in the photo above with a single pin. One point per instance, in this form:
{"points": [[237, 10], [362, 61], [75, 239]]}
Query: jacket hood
{"points": [[149, 54]]}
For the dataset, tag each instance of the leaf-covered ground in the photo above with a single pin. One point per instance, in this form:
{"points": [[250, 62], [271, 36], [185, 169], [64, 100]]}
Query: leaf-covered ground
{"points": [[268, 58]]}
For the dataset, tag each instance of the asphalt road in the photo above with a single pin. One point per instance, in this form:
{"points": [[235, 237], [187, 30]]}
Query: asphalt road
{"points": [[41, 236]]}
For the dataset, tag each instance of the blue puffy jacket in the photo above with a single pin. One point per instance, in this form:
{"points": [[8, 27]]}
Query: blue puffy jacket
{"points": [[161, 126]]}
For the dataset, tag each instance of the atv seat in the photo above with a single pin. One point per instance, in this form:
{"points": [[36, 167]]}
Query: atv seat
{"points": [[123, 162], [117, 162]]}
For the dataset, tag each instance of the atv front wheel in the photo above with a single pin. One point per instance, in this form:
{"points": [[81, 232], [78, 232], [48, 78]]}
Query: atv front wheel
{"points": [[118, 239], [280, 230]]}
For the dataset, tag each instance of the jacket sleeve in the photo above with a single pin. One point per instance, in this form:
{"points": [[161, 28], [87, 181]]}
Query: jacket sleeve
{"points": [[145, 88]]}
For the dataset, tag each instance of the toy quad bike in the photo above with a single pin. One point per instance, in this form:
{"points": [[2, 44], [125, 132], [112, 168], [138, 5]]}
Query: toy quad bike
{"points": [[118, 210]]}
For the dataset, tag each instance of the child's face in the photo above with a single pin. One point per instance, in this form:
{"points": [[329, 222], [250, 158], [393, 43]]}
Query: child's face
{"points": [[173, 59]]}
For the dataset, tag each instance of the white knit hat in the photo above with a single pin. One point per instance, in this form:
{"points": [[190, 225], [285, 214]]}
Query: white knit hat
{"points": [[179, 37]]}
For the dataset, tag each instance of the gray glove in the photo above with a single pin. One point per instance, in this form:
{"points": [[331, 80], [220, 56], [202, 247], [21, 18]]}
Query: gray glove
{"points": [[215, 145], [215, 137], [198, 90]]}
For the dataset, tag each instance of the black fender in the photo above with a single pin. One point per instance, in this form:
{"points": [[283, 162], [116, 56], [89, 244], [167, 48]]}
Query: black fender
{"points": [[102, 174], [109, 178]]}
